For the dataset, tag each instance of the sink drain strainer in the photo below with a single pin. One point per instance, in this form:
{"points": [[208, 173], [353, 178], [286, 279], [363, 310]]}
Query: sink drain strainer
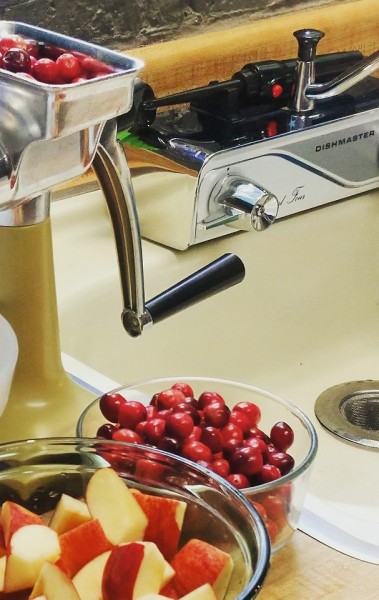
{"points": [[351, 411]]}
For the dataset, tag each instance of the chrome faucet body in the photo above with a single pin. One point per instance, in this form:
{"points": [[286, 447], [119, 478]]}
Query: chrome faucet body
{"points": [[255, 159]]}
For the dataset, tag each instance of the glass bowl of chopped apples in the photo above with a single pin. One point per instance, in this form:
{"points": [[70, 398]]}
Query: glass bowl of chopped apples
{"points": [[260, 443], [94, 518]]}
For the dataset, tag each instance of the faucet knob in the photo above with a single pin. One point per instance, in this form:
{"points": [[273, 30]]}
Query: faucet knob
{"points": [[307, 40]]}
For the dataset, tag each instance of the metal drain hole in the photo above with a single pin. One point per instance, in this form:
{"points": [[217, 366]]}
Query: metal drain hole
{"points": [[351, 411], [362, 409]]}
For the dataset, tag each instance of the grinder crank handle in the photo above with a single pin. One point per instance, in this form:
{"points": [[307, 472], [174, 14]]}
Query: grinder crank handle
{"points": [[215, 277]]}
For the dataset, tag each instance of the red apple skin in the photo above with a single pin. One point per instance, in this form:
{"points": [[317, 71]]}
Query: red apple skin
{"points": [[80, 545], [163, 528], [14, 516], [117, 583], [197, 563]]}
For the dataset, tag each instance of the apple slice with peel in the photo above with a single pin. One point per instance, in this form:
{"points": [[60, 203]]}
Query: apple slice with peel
{"points": [[88, 580], [198, 563], [165, 520], [14, 516], [53, 584], [80, 545], [112, 502], [132, 570], [69, 513], [30, 547], [2, 571]]}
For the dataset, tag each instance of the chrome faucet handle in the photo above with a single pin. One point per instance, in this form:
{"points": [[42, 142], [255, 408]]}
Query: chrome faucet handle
{"points": [[306, 91]]}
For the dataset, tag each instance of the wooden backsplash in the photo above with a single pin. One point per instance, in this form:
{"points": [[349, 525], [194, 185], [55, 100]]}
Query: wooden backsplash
{"points": [[192, 61]]}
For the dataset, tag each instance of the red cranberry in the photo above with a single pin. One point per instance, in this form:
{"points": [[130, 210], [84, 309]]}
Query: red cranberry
{"points": [[131, 413], [169, 444], [45, 70], [150, 469], [140, 428], [195, 451], [168, 398], [216, 414], [126, 435], [246, 460], [106, 431], [272, 529], [282, 435], [241, 419], [153, 430], [231, 432], [239, 480], [221, 467], [269, 473], [15, 60], [151, 411], [68, 66], [179, 425], [256, 432], [251, 409], [211, 437], [259, 444], [274, 506], [260, 509], [184, 388], [282, 460], [208, 397], [187, 407], [109, 404], [93, 66], [195, 434], [11, 41]]}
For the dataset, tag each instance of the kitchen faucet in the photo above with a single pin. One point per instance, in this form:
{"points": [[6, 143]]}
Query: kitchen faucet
{"points": [[49, 134]]}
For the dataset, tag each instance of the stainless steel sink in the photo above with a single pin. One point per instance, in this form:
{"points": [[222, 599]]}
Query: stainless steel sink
{"points": [[305, 318]]}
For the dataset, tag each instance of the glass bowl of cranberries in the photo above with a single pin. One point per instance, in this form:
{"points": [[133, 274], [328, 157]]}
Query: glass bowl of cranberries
{"points": [[115, 519], [258, 442]]}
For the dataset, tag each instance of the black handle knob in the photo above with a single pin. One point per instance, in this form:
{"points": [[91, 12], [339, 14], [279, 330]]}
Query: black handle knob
{"points": [[308, 40], [219, 275]]}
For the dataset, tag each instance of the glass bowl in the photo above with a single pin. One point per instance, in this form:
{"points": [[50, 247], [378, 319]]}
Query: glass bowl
{"points": [[279, 502], [8, 360], [35, 473]]}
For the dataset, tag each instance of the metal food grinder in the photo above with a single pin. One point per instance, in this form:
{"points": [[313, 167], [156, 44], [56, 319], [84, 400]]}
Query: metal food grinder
{"points": [[49, 134]]}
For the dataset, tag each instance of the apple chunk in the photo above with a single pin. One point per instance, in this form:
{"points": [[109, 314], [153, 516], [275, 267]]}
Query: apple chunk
{"points": [[69, 513], [30, 547], [53, 584], [80, 545], [165, 520], [112, 502], [88, 580], [198, 563], [14, 516], [132, 570]]}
